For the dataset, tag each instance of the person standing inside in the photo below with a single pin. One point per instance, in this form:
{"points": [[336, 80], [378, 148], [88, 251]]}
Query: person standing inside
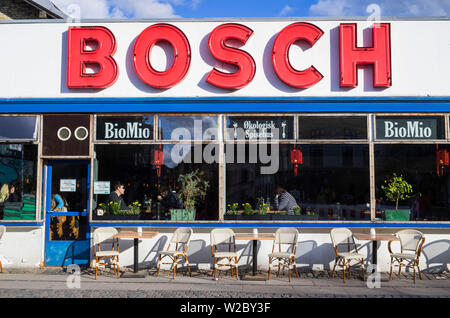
{"points": [[285, 201]]}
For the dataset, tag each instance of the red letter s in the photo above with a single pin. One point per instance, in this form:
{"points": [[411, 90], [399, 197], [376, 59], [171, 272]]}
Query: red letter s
{"points": [[224, 53]]}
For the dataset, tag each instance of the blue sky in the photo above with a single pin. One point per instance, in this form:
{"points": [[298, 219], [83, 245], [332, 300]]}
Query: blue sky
{"points": [[142, 9]]}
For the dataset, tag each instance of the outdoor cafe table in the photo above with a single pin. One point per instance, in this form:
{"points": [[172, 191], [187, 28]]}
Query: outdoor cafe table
{"points": [[375, 239], [136, 236], [255, 237]]}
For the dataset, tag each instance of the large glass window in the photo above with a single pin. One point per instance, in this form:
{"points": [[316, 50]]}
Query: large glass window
{"points": [[18, 167], [188, 127], [429, 198], [332, 183], [150, 174]]}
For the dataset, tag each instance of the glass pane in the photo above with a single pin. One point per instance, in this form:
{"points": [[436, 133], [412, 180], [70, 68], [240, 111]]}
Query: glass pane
{"points": [[68, 228], [429, 199], [18, 167], [125, 128], [133, 165], [332, 183], [70, 182], [18, 127], [412, 128], [253, 128], [332, 127], [188, 128]]}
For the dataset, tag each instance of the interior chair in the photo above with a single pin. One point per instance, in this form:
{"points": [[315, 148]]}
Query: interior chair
{"points": [[286, 240], [343, 236], [221, 239], [2, 231], [177, 249], [411, 243], [101, 235]]}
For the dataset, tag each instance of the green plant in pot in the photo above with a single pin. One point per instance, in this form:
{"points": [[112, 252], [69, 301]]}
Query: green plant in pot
{"points": [[193, 188], [396, 189]]}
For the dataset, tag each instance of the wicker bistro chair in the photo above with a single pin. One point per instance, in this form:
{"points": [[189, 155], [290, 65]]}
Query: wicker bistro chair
{"points": [[343, 236], [411, 243], [180, 239], [286, 239], [101, 235], [219, 238], [2, 231]]}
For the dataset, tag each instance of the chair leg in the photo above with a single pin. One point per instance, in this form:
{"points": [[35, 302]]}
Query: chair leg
{"points": [[175, 259], [363, 270], [414, 268], [420, 273], [344, 270], [334, 267], [1, 267], [187, 264], [399, 268], [296, 270], [270, 265], [214, 271], [159, 264], [289, 268], [237, 274], [392, 263]]}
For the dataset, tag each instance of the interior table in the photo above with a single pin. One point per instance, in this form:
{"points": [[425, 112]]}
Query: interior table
{"points": [[255, 237], [136, 236], [375, 239]]}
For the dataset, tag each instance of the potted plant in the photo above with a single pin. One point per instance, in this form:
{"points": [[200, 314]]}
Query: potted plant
{"points": [[232, 211], [395, 189], [193, 187], [262, 211]]}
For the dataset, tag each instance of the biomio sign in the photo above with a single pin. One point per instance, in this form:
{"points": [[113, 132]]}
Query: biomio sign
{"points": [[96, 46]]}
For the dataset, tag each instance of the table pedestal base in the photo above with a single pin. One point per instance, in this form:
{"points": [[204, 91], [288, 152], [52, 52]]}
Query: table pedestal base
{"points": [[256, 277], [141, 274]]}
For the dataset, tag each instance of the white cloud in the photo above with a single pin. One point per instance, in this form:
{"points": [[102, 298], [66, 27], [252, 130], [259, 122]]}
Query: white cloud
{"points": [[286, 10], [113, 9], [388, 7]]}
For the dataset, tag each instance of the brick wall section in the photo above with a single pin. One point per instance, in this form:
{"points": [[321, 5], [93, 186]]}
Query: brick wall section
{"points": [[18, 9]]}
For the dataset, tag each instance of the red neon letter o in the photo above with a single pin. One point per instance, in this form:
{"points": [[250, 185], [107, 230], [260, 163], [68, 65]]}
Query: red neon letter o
{"points": [[181, 61], [280, 59]]}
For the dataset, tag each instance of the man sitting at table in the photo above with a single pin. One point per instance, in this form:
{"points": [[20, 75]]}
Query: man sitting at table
{"points": [[285, 201], [116, 195]]}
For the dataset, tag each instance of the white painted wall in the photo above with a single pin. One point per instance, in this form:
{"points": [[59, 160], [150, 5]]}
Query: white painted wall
{"points": [[314, 250], [21, 247], [33, 61]]}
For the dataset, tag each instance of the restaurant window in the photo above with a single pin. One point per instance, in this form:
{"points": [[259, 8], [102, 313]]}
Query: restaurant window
{"points": [[332, 183], [18, 168], [332, 127], [429, 199], [145, 180]]}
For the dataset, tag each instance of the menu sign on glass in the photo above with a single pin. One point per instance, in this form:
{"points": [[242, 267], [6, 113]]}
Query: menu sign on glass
{"points": [[125, 128], [409, 128], [254, 128]]}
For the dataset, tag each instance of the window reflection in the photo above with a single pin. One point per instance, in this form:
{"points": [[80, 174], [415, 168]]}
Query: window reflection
{"points": [[18, 166], [188, 128]]}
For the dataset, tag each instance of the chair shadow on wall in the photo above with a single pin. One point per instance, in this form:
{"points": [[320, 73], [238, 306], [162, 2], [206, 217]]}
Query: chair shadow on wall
{"points": [[309, 253], [437, 256], [150, 260]]}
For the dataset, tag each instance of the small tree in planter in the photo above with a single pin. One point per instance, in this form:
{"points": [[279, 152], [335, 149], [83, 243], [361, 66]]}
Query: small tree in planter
{"points": [[396, 188], [193, 187]]}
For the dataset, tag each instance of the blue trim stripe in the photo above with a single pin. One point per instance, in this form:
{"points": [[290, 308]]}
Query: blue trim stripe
{"points": [[270, 225], [22, 224], [227, 105]]}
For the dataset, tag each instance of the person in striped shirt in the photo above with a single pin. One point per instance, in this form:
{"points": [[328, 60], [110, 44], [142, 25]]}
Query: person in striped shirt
{"points": [[285, 201]]}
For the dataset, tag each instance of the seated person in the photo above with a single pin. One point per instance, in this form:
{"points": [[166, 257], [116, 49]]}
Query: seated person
{"points": [[115, 195], [58, 203], [168, 199], [285, 201]]}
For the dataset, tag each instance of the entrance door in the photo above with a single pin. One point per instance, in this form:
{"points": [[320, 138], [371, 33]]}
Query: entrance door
{"points": [[67, 233]]}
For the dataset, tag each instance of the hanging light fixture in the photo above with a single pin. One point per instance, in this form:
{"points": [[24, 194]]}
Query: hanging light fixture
{"points": [[158, 160], [296, 158], [442, 159]]}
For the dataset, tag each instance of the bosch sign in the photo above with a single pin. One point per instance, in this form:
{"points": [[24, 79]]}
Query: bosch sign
{"points": [[81, 56]]}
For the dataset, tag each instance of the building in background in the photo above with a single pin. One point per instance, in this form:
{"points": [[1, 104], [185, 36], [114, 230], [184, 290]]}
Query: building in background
{"points": [[29, 9]]}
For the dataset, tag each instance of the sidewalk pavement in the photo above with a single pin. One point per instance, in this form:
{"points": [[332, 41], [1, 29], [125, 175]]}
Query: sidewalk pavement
{"points": [[57, 283]]}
